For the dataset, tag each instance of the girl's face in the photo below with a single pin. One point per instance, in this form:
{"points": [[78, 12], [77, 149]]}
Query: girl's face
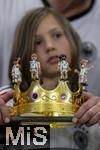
{"points": [[50, 43]]}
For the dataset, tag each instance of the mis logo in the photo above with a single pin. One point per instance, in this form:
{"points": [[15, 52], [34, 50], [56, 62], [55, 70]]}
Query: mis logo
{"points": [[30, 135]]}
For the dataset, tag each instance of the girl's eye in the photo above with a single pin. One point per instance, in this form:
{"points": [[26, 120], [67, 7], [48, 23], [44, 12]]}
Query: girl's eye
{"points": [[38, 42], [57, 35]]}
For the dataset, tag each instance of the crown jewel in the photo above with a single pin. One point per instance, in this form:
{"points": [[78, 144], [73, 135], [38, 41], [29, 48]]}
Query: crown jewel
{"points": [[37, 101]]}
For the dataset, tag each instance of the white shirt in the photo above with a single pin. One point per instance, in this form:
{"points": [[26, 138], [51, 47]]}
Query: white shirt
{"points": [[88, 27]]}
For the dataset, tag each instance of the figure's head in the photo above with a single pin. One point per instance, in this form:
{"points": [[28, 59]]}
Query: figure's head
{"points": [[83, 62], [47, 33], [63, 57], [33, 56]]}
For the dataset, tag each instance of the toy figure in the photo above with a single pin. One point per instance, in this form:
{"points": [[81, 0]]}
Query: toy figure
{"points": [[34, 66], [84, 68], [64, 67], [16, 74], [83, 72]]}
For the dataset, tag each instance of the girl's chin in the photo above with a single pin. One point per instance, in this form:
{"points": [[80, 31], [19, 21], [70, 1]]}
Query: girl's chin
{"points": [[52, 74]]}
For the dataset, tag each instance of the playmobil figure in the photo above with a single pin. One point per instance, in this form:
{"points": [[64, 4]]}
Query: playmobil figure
{"points": [[16, 73], [63, 66], [34, 66]]}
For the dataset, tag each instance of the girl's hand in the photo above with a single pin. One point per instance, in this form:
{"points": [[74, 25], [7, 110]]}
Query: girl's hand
{"points": [[89, 112], [4, 110]]}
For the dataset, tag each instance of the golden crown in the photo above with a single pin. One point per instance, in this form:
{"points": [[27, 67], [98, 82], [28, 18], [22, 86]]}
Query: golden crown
{"points": [[37, 102]]}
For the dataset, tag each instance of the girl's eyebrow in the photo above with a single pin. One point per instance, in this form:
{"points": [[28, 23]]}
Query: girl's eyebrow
{"points": [[55, 29], [50, 31]]}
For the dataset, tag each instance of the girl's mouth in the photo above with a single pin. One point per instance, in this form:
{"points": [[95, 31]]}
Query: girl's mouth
{"points": [[53, 60]]}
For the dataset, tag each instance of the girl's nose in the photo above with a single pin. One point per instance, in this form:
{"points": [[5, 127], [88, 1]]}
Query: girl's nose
{"points": [[49, 45]]}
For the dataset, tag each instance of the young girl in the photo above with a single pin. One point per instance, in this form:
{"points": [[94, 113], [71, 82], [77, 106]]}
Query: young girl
{"points": [[49, 35]]}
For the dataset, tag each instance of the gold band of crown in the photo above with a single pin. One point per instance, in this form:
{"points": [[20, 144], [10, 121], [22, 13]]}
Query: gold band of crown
{"points": [[60, 101]]}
